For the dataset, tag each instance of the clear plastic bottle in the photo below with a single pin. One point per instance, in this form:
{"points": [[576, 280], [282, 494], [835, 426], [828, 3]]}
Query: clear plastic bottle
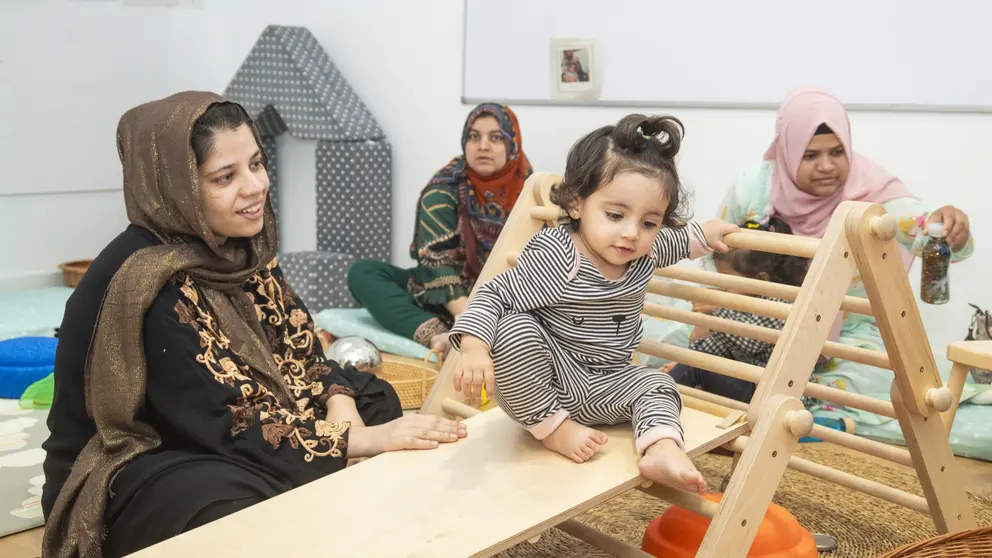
{"points": [[934, 285]]}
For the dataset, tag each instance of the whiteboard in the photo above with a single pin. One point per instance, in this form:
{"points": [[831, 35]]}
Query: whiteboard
{"points": [[873, 54], [68, 71]]}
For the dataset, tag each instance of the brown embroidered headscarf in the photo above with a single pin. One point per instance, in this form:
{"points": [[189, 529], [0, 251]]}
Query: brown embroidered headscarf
{"points": [[162, 194]]}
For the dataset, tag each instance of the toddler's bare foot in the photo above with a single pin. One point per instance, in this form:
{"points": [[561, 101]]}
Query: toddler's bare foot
{"points": [[665, 463], [574, 441]]}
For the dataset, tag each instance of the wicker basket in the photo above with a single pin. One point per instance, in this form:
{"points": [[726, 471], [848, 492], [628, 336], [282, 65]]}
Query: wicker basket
{"points": [[412, 380], [72, 272], [971, 543]]}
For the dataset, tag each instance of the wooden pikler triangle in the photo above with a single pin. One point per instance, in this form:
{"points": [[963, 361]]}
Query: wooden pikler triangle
{"points": [[859, 239]]}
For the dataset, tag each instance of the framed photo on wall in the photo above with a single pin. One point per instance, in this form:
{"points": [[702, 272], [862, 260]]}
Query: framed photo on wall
{"points": [[576, 69]]}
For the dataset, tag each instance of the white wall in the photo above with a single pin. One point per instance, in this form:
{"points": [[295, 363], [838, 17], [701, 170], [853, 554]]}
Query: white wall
{"points": [[404, 60], [297, 190]]}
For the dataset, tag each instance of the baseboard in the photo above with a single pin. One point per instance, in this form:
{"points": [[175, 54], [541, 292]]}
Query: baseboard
{"points": [[30, 280]]}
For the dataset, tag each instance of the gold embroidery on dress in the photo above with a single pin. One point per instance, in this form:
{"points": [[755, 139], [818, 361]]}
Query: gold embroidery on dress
{"points": [[302, 375], [330, 433]]}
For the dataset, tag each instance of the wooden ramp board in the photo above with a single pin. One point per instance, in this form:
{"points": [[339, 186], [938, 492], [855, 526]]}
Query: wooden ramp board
{"points": [[492, 490]]}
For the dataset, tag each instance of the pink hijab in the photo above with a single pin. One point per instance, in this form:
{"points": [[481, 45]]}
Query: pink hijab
{"points": [[800, 114]]}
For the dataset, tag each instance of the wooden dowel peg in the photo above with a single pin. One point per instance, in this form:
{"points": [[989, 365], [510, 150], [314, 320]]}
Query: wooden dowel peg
{"points": [[940, 398], [545, 213], [458, 409], [884, 227], [799, 423]]}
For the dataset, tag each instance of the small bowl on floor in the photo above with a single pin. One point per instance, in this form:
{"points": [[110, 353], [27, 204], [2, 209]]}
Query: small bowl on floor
{"points": [[72, 272]]}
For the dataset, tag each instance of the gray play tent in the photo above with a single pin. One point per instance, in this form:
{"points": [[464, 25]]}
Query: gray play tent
{"points": [[289, 84]]}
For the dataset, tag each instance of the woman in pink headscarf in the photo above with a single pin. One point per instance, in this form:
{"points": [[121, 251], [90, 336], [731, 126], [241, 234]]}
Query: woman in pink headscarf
{"points": [[808, 170]]}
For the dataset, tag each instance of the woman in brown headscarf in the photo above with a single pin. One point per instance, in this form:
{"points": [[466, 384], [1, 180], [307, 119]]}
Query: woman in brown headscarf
{"points": [[188, 381]]}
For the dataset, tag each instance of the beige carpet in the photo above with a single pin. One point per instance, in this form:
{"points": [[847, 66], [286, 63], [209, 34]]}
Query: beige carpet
{"points": [[864, 526]]}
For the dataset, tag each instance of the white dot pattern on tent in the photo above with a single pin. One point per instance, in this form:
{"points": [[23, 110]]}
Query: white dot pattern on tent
{"points": [[288, 69], [354, 198], [289, 84], [319, 278]]}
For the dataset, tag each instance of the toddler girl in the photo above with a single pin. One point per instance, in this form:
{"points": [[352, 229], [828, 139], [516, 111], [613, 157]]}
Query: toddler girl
{"points": [[552, 338]]}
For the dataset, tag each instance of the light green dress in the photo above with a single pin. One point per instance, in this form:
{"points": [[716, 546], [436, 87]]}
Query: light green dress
{"points": [[748, 199]]}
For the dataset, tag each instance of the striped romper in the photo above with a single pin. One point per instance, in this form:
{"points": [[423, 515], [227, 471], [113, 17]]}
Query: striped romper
{"points": [[562, 336]]}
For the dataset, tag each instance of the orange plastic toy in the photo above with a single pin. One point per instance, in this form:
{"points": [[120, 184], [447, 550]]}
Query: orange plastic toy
{"points": [[678, 533]]}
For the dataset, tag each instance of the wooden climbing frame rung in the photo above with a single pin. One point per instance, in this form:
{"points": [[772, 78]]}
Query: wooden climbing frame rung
{"points": [[853, 304], [721, 299], [864, 445], [691, 502], [543, 213], [776, 243], [848, 480], [752, 373], [765, 334]]}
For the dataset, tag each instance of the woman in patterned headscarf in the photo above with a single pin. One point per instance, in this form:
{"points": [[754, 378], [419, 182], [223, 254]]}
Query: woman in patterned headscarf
{"points": [[459, 216], [188, 381]]}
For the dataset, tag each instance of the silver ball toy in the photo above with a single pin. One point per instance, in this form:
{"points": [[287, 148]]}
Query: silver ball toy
{"points": [[356, 351]]}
